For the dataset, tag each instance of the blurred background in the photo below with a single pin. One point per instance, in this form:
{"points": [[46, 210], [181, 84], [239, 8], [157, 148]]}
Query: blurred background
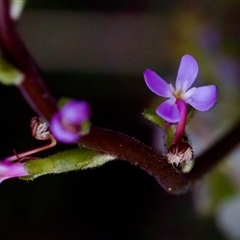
{"points": [[97, 51]]}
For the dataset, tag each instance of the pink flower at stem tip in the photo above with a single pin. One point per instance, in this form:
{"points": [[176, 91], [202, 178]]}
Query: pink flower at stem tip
{"points": [[11, 170]]}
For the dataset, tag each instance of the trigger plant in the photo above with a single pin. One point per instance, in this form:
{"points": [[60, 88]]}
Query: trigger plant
{"points": [[174, 110]]}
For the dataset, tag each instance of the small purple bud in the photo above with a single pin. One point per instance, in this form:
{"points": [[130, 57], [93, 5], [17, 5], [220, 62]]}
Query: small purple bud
{"points": [[68, 123], [75, 112]]}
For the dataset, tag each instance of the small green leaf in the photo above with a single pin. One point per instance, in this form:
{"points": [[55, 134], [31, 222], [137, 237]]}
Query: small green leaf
{"points": [[85, 128], [168, 128], [70, 160], [62, 101], [9, 75], [191, 112], [170, 132], [151, 115]]}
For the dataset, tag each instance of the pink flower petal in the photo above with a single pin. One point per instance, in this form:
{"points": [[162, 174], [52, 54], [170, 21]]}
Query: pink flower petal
{"points": [[187, 72], [11, 170], [168, 110], [203, 98], [156, 84]]}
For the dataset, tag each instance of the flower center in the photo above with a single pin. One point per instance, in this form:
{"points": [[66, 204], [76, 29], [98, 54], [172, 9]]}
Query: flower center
{"points": [[178, 94]]}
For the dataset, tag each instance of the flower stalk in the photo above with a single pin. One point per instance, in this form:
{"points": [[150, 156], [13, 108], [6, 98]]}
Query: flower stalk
{"points": [[182, 107], [40, 131]]}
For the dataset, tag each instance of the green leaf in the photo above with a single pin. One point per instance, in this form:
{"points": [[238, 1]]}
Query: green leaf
{"points": [[9, 75], [170, 131], [70, 160], [63, 100], [191, 112], [85, 128], [151, 115], [168, 128]]}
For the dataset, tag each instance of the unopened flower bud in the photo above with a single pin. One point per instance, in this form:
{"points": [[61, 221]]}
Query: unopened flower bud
{"points": [[71, 122]]}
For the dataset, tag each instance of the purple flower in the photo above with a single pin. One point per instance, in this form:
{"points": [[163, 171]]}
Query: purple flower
{"points": [[68, 123], [11, 170], [201, 98]]}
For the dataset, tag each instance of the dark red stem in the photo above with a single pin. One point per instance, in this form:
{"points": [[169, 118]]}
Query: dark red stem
{"points": [[128, 148], [15, 52]]}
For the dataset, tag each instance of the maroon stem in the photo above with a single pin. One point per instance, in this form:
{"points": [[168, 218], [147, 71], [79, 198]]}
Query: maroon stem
{"points": [[127, 148], [15, 52]]}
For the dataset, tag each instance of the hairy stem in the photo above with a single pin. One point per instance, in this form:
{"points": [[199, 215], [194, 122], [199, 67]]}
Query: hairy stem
{"points": [[127, 148]]}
